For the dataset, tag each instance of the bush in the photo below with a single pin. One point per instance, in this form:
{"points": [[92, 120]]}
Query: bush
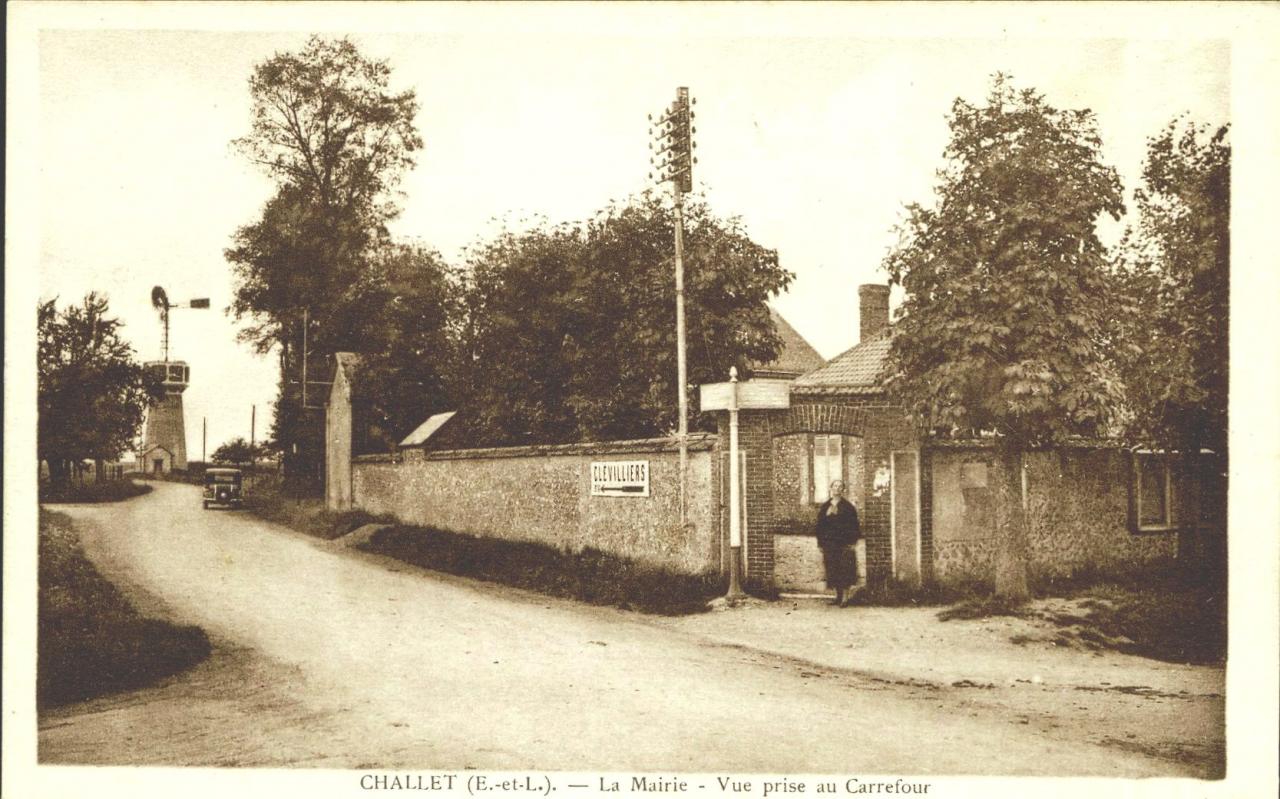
{"points": [[91, 641], [105, 491], [592, 576]]}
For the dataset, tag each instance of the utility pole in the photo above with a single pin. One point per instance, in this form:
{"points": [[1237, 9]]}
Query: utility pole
{"points": [[204, 438], [253, 440], [673, 160]]}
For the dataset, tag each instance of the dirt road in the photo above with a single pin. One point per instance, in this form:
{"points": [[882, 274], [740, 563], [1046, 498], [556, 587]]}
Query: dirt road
{"points": [[327, 657]]}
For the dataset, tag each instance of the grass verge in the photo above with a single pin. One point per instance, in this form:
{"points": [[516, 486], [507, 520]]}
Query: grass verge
{"points": [[896, 595], [91, 640], [268, 499], [106, 491], [591, 576]]}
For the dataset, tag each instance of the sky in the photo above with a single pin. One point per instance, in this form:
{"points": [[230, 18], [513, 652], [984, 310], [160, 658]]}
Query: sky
{"points": [[815, 138]]}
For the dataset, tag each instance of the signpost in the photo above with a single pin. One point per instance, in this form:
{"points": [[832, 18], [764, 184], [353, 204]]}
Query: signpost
{"points": [[620, 478], [733, 397]]}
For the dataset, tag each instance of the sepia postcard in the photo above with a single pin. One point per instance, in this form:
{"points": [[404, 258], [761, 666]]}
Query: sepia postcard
{"points": [[737, 400]]}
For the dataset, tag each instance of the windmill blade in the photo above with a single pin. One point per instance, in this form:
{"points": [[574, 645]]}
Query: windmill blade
{"points": [[159, 299]]}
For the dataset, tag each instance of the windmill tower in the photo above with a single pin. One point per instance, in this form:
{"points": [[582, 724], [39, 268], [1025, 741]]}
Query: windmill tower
{"points": [[164, 444]]}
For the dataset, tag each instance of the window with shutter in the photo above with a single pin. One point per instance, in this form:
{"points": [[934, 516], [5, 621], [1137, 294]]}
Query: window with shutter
{"points": [[828, 459]]}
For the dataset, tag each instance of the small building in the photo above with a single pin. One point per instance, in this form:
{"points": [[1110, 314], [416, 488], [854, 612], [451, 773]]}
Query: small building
{"points": [[156, 459], [926, 504]]}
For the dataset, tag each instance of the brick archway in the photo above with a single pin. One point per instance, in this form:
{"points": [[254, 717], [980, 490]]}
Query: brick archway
{"points": [[821, 418], [883, 429]]}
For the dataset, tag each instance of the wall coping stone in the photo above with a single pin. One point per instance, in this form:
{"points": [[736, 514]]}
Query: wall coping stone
{"points": [[698, 442], [836, 391], [990, 443]]}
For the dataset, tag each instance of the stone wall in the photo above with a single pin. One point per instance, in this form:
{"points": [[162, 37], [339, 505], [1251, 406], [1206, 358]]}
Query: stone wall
{"points": [[1078, 510], [543, 494]]}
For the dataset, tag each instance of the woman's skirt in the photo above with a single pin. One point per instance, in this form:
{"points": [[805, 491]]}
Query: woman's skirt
{"points": [[840, 565]]}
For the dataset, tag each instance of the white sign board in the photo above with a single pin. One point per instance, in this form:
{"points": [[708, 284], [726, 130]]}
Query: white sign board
{"points": [[753, 395], [619, 478]]}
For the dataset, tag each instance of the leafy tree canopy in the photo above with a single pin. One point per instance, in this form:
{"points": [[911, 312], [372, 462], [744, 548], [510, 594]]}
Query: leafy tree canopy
{"points": [[337, 141], [403, 317], [1005, 277], [238, 451], [92, 394], [570, 330], [326, 121], [1173, 307]]}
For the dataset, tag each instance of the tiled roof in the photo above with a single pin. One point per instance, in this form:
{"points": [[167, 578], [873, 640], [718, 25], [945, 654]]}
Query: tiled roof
{"points": [[855, 369], [797, 355]]}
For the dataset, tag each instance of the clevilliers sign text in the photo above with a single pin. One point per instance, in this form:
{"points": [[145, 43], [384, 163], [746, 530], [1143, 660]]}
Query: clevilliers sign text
{"points": [[620, 478]]}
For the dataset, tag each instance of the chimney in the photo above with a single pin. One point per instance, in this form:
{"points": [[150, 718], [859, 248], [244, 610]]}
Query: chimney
{"points": [[873, 309]]}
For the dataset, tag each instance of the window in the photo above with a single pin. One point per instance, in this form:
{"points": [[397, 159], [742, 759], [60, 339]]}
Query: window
{"points": [[1153, 492], [828, 461]]}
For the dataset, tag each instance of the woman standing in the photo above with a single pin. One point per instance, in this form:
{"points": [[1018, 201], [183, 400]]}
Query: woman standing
{"points": [[838, 532]]}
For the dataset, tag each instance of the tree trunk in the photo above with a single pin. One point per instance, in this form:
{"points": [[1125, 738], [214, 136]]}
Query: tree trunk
{"points": [[1011, 526], [99, 470]]}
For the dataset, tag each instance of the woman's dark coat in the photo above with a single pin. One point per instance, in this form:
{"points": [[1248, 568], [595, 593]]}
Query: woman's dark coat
{"points": [[837, 533]]}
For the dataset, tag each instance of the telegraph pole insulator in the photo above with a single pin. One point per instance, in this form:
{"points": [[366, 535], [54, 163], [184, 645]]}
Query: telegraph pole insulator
{"points": [[673, 138]]}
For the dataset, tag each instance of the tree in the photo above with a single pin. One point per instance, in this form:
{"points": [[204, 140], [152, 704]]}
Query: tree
{"points": [[1003, 319], [337, 140], [237, 451], [92, 394], [326, 122], [570, 330], [1173, 306], [406, 309]]}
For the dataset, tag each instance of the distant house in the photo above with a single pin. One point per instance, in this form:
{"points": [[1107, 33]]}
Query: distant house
{"points": [[796, 356]]}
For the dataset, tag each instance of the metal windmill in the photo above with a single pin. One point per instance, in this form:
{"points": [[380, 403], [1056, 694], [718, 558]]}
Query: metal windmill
{"points": [[160, 301]]}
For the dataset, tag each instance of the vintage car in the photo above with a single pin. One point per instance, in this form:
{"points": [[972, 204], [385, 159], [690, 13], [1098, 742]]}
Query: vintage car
{"points": [[223, 487]]}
